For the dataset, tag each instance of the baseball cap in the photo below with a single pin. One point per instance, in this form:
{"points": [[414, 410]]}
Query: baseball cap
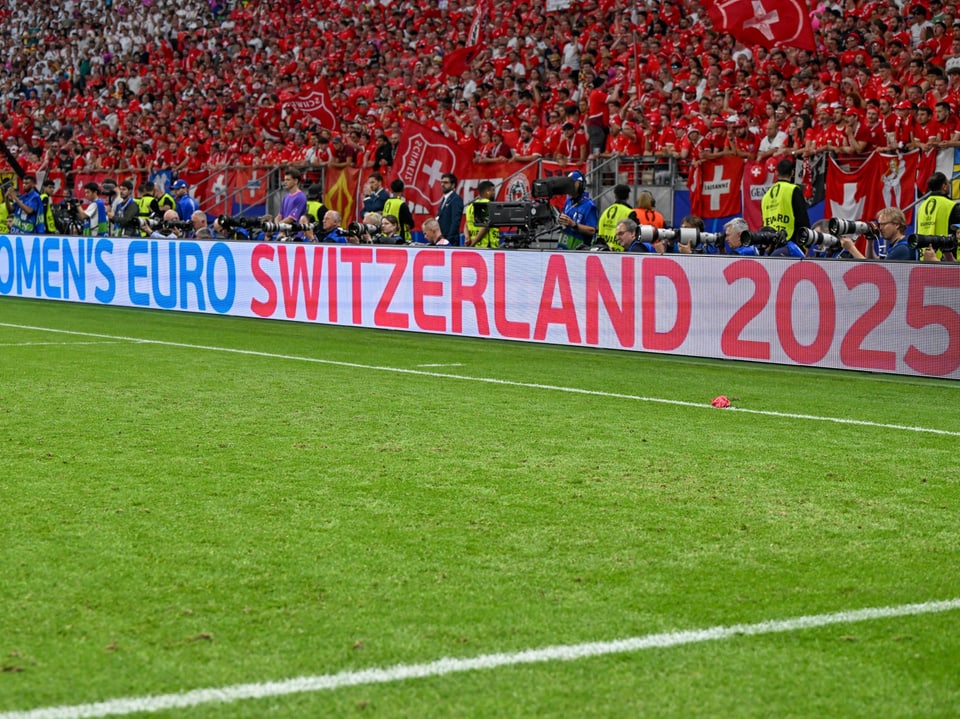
{"points": [[178, 185], [904, 105], [576, 175]]}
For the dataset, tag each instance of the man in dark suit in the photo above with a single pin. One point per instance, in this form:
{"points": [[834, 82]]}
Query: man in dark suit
{"points": [[450, 210]]}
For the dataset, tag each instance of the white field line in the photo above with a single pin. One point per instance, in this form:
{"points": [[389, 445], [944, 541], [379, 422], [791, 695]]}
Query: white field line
{"points": [[496, 380], [443, 667], [57, 344]]}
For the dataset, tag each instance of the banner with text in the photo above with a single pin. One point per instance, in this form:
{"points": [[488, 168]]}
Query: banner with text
{"points": [[896, 318]]}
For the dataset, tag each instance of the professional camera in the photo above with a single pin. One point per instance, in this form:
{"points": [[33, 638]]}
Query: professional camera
{"points": [[238, 222], [5, 187], [943, 243], [838, 226], [807, 237], [513, 214], [68, 218], [359, 229], [764, 237], [168, 225], [268, 226], [684, 235]]}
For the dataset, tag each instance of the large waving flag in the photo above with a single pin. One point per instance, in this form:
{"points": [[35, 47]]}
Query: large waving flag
{"points": [[314, 100], [768, 23], [422, 157], [457, 61], [481, 9]]}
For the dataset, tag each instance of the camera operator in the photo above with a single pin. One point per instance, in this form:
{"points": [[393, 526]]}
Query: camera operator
{"points": [[891, 224], [733, 231], [580, 216]]}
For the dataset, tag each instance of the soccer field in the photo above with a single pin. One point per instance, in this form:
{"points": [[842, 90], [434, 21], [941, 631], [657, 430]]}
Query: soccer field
{"points": [[218, 517]]}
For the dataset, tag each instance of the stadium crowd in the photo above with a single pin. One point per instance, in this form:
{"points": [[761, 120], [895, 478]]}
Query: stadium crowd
{"points": [[187, 85]]}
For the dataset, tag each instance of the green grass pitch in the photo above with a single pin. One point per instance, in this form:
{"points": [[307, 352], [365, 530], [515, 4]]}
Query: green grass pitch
{"points": [[194, 502]]}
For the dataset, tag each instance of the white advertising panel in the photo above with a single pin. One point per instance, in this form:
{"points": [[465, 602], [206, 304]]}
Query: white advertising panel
{"points": [[882, 317]]}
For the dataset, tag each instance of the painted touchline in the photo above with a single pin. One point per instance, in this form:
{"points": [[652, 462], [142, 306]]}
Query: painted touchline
{"points": [[443, 667], [496, 380]]}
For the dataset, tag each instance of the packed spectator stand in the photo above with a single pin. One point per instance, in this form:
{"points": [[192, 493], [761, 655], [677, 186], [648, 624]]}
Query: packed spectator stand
{"points": [[142, 85]]}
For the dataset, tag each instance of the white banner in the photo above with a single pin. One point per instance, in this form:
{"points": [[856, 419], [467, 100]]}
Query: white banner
{"points": [[896, 318]]}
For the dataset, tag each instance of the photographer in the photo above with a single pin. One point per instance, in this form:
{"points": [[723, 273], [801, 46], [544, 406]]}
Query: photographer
{"points": [[201, 227], [94, 215], [390, 230], [891, 225], [126, 216], [734, 229], [332, 232], [27, 208], [168, 228]]}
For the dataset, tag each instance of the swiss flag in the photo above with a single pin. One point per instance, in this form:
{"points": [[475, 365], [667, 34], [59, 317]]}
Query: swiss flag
{"points": [[855, 193], [758, 177], [314, 100], [715, 187], [768, 23], [422, 157], [248, 187]]}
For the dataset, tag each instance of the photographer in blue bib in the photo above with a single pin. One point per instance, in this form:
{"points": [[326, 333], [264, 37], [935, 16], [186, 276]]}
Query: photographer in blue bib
{"points": [[28, 211], [891, 224]]}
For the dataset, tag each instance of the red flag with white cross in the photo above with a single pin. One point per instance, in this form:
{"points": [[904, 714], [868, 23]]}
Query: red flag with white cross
{"points": [[422, 157], [715, 188], [768, 23]]}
